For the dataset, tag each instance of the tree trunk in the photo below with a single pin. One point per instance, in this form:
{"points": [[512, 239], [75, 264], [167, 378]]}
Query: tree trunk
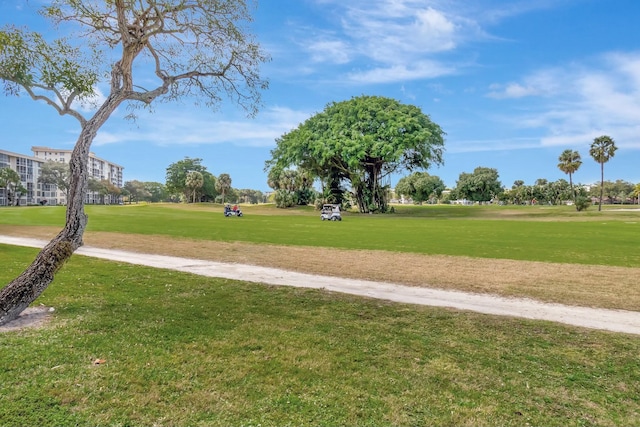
{"points": [[28, 286], [573, 193], [601, 185]]}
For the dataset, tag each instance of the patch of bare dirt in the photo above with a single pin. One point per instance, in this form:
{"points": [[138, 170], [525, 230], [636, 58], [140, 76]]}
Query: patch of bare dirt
{"points": [[32, 317]]}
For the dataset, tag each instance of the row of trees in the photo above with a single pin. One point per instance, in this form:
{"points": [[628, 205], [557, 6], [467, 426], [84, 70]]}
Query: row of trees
{"points": [[601, 150], [189, 181], [484, 185]]}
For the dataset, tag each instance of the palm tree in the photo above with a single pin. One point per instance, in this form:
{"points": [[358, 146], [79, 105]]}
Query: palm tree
{"points": [[194, 181], [602, 149], [570, 162], [223, 184], [636, 192]]}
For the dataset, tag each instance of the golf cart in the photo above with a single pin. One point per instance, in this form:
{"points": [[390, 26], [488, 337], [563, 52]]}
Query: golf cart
{"points": [[229, 211], [330, 213]]}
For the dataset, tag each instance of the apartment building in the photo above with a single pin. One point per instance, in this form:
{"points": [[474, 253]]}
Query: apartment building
{"points": [[28, 167], [99, 169]]}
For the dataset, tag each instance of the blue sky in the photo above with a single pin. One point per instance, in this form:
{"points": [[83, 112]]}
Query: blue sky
{"points": [[512, 83]]}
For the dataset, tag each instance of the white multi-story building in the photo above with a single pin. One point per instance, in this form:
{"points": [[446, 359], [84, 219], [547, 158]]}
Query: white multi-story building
{"points": [[28, 167]]}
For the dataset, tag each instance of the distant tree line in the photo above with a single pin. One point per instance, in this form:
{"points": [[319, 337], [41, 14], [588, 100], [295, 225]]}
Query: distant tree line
{"points": [[483, 184]]}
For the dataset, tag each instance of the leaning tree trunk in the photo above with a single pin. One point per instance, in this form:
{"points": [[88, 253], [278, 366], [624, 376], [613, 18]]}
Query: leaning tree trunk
{"points": [[26, 288]]}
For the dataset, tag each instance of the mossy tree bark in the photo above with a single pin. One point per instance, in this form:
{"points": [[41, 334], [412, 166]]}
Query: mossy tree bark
{"points": [[28, 286]]}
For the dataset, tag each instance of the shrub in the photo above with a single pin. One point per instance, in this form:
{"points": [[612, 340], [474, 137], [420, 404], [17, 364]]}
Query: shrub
{"points": [[582, 203], [284, 199]]}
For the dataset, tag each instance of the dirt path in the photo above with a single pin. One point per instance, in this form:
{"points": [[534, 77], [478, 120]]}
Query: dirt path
{"points": [[611, 320]]}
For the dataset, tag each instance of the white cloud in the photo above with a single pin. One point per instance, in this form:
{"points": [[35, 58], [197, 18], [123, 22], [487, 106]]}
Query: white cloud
{"points": [[579, 102], [396, 40], [541, 83], [420, 70], [334, 51], [176, 128], [482, 145], [389, 37]]}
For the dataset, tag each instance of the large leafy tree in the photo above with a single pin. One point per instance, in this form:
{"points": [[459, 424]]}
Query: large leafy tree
{"points": [[570, 162], [178, 48], [480, 186], [363, 141], [208, 189], [602, 149], [420, 186], [56, 173], [137, 191], [177, 175], [157, 191]]}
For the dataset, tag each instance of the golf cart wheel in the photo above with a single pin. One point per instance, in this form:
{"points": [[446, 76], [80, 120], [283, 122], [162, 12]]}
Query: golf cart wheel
{"points": [[334, 218]]}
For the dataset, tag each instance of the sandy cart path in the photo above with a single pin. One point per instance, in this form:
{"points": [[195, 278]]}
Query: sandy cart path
{"points": [[611, 320]]}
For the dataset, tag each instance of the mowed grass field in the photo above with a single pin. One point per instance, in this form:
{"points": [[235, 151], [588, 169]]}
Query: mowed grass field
{"points": [[186, 350], [549, 234]]}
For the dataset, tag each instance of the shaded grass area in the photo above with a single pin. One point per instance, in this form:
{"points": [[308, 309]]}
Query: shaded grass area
{"points": [[187, 350], [549, 234]]}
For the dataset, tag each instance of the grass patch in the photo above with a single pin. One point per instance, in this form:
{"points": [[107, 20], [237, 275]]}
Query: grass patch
{"points": [[187, 350], [548, 234]]}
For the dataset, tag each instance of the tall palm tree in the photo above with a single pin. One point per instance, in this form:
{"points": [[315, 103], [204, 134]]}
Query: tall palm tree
{"points": [[223, 184], [570, 162], [194, 181], [602, 149]]}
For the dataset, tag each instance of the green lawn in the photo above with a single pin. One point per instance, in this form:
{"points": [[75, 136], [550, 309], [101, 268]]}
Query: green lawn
{"points": [[551, 234], [187, 350]]}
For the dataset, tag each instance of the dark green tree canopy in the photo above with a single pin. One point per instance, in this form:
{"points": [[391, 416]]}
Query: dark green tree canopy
{"points": [[176, 177], [420, 186], [480, 186], [362, 140]]}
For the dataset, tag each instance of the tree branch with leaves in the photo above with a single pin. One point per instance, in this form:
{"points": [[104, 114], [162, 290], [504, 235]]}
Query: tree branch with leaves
{"points": [[198, 48]]}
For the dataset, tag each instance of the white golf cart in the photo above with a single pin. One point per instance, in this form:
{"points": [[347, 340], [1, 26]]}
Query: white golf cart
{"points": [[330, 213]]}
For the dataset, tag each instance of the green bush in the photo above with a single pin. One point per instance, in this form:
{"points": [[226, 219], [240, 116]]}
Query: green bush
{"points": [[284, 199], [582, 203]]}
